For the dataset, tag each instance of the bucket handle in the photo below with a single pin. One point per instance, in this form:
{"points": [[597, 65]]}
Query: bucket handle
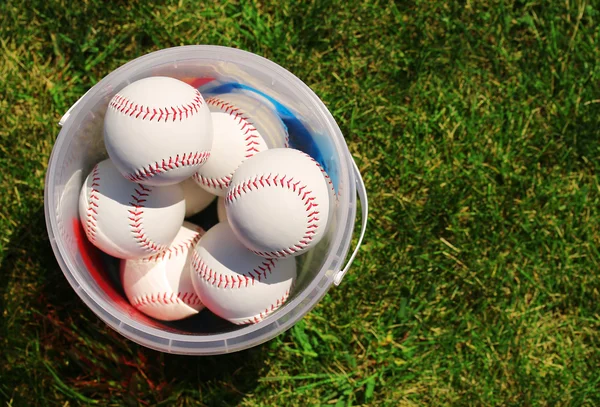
{"points": [[364, 204]]}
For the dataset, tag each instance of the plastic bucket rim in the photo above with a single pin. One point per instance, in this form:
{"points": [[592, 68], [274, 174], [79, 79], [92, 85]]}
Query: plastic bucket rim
{"points": [[100, 306]]}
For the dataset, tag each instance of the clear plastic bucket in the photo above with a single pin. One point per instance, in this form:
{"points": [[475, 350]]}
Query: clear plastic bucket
{"points": [[212, 69]]}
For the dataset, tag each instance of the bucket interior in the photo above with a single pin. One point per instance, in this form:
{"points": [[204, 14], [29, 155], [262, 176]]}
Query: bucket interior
{"points": [[80, 146]]}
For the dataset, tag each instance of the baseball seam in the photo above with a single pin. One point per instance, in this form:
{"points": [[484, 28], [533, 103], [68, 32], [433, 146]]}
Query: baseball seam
{"points": [[186, 160], [287, 134], [312, 212], [92, 207], [129, 108], [324, 174], [259, 273], [259, 317], [135, 220], [165, 298], [176, 249], [250, 136]]}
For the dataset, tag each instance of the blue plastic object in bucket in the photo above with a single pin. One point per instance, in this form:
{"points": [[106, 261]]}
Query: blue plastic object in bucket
{"points": [[213, 70]]}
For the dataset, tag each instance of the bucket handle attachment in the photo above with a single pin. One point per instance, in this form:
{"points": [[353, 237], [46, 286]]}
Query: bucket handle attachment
{"points": [[364, 204], [67, 114]]}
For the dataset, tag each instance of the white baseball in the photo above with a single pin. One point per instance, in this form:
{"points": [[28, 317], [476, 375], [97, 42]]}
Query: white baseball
{"points": [[237, 137], [221, 210], [125, 219], [235, 283], [278, 203], [161, 285], [196, 199], [158, 131], [264, 117]]}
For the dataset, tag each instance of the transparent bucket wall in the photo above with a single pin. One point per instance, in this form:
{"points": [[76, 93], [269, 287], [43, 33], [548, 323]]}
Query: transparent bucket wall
{"points": [[83, 147]]}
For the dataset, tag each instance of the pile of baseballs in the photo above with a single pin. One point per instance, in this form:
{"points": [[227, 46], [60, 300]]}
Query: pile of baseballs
{"points": [[170, 154]]}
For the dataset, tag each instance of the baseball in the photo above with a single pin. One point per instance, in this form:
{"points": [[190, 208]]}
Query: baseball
{"points": [[158, 131], [221, 211], [235, 283], [160, 286], [196, 199], [264, 117], [278, 203], [237, 137], [125, 219]]}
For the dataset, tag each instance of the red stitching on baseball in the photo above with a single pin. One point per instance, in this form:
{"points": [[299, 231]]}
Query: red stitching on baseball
{"points": [[129, 108], [221, 183], [224, 281], [135, 220], [164, 298], [176, 249], [259, 317], [324, 174], [190, 159], [92, 212], [250, 138], [312, 218]]}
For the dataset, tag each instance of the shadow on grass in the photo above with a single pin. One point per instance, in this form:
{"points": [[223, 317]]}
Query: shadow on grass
{"points": [[57, 348]]}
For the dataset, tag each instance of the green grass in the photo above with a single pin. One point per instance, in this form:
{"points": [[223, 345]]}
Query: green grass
{"points": [[477, 128]]}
